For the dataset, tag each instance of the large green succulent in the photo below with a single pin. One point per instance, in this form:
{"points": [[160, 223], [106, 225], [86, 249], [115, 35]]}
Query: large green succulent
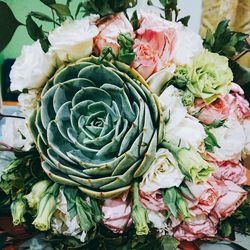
{"points": [[97, 126]]}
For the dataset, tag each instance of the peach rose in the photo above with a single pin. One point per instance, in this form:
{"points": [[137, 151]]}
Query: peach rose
{"points": [[230, 198], [231, 171], [208, 113], [109, 28], [152, 201], [197, 227], [205, 198], [154, 44], [117, 213]]}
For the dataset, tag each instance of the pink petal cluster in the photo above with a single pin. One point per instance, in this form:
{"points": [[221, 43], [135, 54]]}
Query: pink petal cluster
{"points": [[117, 213], [154, 44], [110, 28]]}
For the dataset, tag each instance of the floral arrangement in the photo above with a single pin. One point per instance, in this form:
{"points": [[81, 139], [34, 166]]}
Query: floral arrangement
{"points": [[133, 128]]}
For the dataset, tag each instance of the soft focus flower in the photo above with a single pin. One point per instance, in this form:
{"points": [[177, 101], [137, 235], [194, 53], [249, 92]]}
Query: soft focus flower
{"points": [[231, 139], [16, 134], [208, 113], [154, 44], [192, 165], [74, 39], [197, 227], [163, 173], [238, 103], [37, 192], [178, 124], [231, 197], [246, 126], [205, 198], [117, 213], [28, 102], [32, 68], [152, 201], [62, 223], [18, 209], [209, 76], [110, 28], [46, 209], [231, 171]]}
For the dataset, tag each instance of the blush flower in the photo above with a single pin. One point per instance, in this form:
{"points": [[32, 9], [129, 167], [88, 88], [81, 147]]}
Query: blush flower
{"points": [[117, 213]]}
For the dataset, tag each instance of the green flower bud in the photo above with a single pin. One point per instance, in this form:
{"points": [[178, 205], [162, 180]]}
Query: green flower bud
{"points": [[139, 214], [37, 192], [193, 166], [182, 207], [46, 209], [188, 98], [18, 209]]}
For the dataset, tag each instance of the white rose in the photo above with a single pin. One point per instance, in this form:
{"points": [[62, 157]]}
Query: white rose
{"points": [[16, 134], [246, 126], [32, 69], [231, 139], [188, 44], [28, 102], [61, 223], [163, 173], [74, 39], [180, 128]]}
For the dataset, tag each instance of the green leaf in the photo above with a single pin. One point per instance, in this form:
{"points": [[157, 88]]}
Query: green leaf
{"points": [[106, 7], [48, 2], [184, 20], [169, 243], [134, 20], [42, 17], [70, 194], [8, 25], [183, 188], [34, 31], [225, 229], [210, 141], [62, 11], [45, 44]]}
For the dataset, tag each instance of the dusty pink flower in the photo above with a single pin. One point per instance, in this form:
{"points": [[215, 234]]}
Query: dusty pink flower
{"points": [[117, 213], [238, 103], [206, 197], [217, 110], [154, 44], [197, 227], [231, 196], [110, 27], [231, 171], [152, 201]]}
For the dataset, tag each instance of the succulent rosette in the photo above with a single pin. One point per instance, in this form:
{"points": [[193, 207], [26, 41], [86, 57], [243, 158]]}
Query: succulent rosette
{"points": [[97, 127]]}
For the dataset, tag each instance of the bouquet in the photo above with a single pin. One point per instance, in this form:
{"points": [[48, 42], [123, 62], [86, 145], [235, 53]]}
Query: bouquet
{"points": [[134, 130]]}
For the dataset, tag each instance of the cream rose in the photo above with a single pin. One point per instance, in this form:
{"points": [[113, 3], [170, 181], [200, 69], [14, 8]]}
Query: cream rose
{"points": [[32, 69], [74, 39], [163, 173], [231, 139], [180, 128]]}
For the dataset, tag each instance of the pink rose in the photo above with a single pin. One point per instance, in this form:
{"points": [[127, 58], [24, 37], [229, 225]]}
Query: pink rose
{"points": [[238, 103], [206, 197], [197, 227], [154, 44], [231, 197], [231, 171], [152, 201], [217, 110], [110, 27], [116, 213]]}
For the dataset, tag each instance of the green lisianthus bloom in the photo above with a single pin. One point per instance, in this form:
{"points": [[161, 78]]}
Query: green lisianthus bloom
{"points": [[207, 78], [192, 165], [18, 209], [210, 76]]}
